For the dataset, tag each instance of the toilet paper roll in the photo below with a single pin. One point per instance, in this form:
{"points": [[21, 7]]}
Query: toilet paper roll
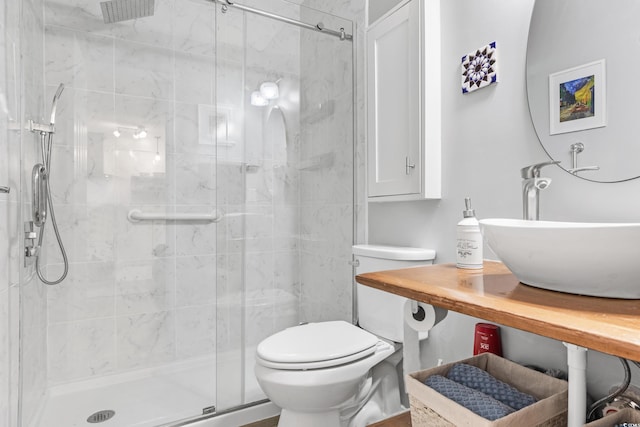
{"points": [[426, 317]]}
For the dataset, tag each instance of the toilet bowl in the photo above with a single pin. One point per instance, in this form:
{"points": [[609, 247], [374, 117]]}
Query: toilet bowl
{"points": [[335, 374], [313, 371]]}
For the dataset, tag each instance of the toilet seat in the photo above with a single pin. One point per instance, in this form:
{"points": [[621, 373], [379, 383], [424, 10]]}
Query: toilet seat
{"points": [[315, 346], [316, 365]]}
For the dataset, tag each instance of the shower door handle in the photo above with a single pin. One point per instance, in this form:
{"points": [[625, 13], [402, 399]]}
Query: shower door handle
{"points": [[5, 189]]}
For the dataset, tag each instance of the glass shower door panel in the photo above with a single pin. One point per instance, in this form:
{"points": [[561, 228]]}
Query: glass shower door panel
{"points": [[326, 173], [132, 328], [271, 205], [230, 169], [258, 282], [285, 182]]}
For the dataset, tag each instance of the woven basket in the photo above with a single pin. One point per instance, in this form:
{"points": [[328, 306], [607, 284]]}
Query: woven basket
{"points": [[431, 409]]}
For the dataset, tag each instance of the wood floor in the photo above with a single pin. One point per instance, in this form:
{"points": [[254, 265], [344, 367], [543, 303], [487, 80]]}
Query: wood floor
{"points": [[269, 422], [402, 420]]}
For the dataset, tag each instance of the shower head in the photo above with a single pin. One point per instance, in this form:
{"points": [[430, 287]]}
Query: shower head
{"points": [[54, 105], [123, 10]]}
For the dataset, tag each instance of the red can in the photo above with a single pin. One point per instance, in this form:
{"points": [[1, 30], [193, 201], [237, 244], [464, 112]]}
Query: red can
{"points": [[487, 339]]}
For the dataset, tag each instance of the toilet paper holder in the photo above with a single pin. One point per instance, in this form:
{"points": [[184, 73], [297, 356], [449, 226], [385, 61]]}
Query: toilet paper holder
{"points": [[418, 312], [419, 319], [422, 316]]}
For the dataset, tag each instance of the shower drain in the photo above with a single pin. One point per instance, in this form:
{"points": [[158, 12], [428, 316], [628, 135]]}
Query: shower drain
{"points": [[101, 416]]}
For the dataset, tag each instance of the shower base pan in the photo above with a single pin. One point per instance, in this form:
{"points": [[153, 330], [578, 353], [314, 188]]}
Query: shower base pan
{"points": [[145, 398]]}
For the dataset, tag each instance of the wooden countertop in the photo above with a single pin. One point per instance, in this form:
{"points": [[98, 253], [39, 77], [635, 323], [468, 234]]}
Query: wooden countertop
{"points": [[611, 326]]}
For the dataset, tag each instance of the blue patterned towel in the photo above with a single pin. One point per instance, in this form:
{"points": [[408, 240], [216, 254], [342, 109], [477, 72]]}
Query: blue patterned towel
{"points": [[474, 400], [483, 381]]}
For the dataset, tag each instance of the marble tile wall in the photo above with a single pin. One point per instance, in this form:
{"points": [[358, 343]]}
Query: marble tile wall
{"points": [[10, 205], [328, 134], [5, 206], [257, 185], [32, 294], [354, 10]]}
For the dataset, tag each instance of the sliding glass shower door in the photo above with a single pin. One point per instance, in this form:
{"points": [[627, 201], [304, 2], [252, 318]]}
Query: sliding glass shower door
{"points": [[129, 335], [163, 118], [285, 163]]}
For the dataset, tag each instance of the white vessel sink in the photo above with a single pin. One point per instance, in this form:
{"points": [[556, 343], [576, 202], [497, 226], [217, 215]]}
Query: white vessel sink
{"points": [[594, 259]]}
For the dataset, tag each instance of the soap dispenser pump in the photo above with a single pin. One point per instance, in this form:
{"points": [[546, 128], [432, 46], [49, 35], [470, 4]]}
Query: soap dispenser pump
{"points": [[469, 239]]}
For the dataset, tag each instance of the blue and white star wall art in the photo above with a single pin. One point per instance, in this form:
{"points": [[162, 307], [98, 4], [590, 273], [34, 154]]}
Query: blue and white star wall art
{"points": [[480, 68]]}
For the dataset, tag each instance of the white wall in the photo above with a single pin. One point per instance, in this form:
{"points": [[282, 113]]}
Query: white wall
{"points": [[487, 136], [380, 7]]}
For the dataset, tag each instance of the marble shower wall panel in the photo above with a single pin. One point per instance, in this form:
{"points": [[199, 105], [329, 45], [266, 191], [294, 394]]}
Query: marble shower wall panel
{"points": [[327, 177], [5, 349], [33, 307], [143, 70], [10, 206], [81, 349], [354, 10], [6, 323], [272, 198], [79, 59], [138, 294], [258, 177], [229, 304], [272, 47], [88, 294]]}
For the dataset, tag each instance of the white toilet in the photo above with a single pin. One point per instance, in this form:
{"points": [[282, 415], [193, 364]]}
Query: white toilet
{"points": [[321, 374]]}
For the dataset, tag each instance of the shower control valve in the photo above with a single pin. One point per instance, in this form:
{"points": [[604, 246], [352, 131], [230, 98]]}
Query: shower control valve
{"points": [[30, 236], [31, 251]]}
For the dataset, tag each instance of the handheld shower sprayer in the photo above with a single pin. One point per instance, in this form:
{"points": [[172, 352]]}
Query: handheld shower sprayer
{"points": [[54, 105], [42, 202], [40, 172]]}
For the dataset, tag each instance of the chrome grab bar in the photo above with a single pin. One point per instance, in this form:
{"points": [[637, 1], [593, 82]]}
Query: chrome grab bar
{"points": [[136, 215]]}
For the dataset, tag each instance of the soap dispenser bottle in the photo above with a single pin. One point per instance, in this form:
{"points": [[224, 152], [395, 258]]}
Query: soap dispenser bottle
{"points": [[469, 239]]}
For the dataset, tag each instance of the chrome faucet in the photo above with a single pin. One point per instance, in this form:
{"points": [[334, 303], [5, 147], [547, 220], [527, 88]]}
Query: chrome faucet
{"points": [[532, 183], [575, 171], [575, 149]]}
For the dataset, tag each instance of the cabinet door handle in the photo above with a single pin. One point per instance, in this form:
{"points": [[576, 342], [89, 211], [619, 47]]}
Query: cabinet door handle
{"points": [[408, 166]]}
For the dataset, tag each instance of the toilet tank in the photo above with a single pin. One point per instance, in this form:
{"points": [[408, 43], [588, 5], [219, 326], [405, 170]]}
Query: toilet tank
{"points": [[380, 312]]}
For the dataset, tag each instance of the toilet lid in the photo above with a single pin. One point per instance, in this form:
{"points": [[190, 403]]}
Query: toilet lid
{"points": [[316, 342]]}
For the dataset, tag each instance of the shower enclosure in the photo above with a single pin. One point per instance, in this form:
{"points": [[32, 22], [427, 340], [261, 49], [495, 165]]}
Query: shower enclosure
{"points": [[203, 180]]}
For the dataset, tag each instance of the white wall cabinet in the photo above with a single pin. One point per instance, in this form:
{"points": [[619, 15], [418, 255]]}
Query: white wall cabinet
{"points": [[403, 103]]}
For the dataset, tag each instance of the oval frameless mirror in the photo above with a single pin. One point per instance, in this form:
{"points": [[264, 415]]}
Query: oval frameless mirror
{"points": [[582, 56]]}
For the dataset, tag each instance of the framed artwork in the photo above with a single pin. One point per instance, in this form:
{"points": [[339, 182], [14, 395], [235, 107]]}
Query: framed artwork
{"points": [[577, 98]]}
